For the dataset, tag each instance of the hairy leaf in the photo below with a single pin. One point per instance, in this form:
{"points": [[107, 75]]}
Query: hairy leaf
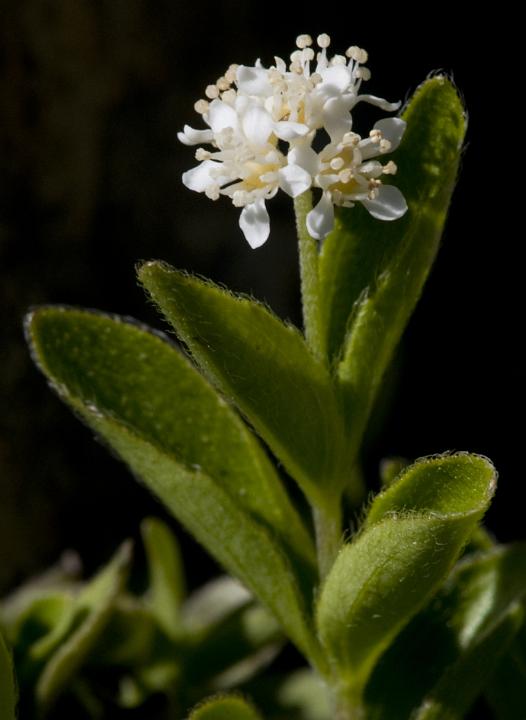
{"points": [[372, 272], [265, 367], [113, 367], [444, 658], [414, 532], [157, 413]]}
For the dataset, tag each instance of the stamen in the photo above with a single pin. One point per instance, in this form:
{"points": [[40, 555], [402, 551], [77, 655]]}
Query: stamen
{"points": [[357, 54], [222, 83], [201, 106], [351, 138], [375, 135], [212, 192], [202, 154], [363, 73], [323, 41], [303, 41], [337, 163], [231, 73], [212, 91], [239, 198], [229, 96], [385, 145], [390, 168]]}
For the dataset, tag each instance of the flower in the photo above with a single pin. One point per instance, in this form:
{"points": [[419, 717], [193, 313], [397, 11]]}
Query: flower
{"points": [[261, 126], [246, 163], [347, 172]]}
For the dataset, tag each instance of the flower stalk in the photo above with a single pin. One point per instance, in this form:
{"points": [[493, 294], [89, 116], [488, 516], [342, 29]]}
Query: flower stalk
{"points": [[310, 284]]}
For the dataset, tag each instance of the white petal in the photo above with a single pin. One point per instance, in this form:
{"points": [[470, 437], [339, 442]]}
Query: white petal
{"points": [[191, 136], [294, 180], [199, 178], [377, 101], [389, 205], [257, 125], [253, 81], [280, 64], [335, 80], [305, 157], [320, 220], [337, 119], [392, 129], [288, 131], [220, 116], [255, 223]]}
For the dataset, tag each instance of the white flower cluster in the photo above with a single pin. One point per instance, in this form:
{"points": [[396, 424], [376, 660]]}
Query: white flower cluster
{"points": [[261, 126]]}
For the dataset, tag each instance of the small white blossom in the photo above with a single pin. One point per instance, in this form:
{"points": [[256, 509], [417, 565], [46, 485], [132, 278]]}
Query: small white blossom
{"points": [[246, 163], [261, 125], [347, 172]]}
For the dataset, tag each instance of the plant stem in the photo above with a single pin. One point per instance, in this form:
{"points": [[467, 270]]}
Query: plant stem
{"points": [[328, 527], [349, 705], [310, 292]]}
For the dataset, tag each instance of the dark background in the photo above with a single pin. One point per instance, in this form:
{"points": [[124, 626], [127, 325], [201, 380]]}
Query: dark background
{"points": [[91, 97]]}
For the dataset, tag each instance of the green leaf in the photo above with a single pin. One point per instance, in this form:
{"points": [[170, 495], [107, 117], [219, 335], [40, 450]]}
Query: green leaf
{"points": [[131, 637], [35, 624], [229, 636], [233, 648], [225, 708], [156, 412], [445, 657], [7, 683], [114, 369], [413, 533], [372, 272], [166, 575], [97, 601], [265, 367]]}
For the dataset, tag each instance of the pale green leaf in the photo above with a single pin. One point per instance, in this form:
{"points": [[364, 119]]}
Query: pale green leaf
{"points": [[265, 368], [414, 532], [166, 575], [97, 600], [225, 708]]}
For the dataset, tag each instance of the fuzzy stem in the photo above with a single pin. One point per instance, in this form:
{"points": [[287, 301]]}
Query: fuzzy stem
{"points": [[310, 291]]}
